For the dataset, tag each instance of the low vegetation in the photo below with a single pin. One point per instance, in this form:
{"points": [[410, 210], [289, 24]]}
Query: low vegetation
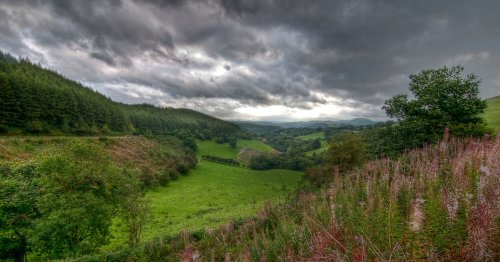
{"points": [[210, 195], [492, 113], [434, 203], [380, 191], [59, 195]]}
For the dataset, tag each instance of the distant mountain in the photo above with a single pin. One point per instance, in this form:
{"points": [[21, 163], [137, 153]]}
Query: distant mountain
{"points": [[356, 122], [263, 125], [36, 100]]}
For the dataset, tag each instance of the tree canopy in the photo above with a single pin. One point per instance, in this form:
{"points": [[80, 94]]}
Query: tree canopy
{"points": [[37, 100], [441, 98]]}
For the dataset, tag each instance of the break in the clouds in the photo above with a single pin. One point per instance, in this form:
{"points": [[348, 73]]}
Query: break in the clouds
{"points": [[265, 59]]}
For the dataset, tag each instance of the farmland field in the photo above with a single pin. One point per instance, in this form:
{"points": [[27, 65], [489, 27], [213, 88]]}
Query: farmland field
{"points": [[212, 193], [320, 135], [323, 148], [225, 151]]}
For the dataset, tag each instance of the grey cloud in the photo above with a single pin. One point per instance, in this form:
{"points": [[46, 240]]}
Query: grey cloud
{"points": [[288, 52]]}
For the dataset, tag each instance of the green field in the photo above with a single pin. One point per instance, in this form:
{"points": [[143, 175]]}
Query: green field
{"points": [[323, 148], [225, 151], [320, 135], [492, 113], [212, 193]]}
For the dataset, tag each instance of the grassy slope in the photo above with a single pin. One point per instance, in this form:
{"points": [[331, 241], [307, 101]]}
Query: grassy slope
{"points": [[408, 213], [133, 152], [492, 113], [323, 148], [320, 135], [224, 150], [212, 193]]}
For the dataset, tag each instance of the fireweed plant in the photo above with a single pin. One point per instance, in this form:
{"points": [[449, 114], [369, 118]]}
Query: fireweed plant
{"points": [[439, 202]]}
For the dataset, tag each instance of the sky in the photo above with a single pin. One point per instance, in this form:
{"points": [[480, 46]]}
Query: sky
{"points": [[271, 60]]}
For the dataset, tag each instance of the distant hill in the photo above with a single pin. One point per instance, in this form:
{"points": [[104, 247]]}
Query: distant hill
{"points": [[263, 125], [34, 100], [256, 127], [492, 113]]}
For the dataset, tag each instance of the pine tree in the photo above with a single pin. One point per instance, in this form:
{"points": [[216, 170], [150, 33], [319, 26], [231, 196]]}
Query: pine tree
{"points": [[9, 108]]}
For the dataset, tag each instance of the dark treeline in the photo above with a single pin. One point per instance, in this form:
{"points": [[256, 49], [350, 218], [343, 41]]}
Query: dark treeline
{"points": [[221, 160], [34, 100]]}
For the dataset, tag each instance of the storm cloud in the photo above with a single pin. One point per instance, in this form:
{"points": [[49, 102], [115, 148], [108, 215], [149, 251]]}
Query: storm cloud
{"points": [[262, 59]]}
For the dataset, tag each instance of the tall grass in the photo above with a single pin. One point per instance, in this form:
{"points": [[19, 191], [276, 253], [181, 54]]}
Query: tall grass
{"points": [[440, 202]]}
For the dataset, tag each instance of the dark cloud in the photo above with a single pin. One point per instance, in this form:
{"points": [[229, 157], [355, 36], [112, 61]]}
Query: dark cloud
{"points": [[219, 56]]}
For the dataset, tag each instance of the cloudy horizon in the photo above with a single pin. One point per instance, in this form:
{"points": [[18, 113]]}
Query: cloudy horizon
{"points": [[271, 60]]}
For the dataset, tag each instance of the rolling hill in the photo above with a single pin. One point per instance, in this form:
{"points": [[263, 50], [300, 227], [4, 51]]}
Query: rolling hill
{"points": [[35, 100], [269, 126], [492, 113], [212, 193]]}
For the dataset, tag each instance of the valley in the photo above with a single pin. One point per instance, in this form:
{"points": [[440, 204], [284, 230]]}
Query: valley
{"points": [[88, 178], [211, 194]]}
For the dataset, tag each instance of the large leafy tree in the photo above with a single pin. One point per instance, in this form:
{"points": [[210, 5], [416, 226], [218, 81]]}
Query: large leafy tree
{"points": [[441, 98], [82, 192], [63, 203], [18, 194]]}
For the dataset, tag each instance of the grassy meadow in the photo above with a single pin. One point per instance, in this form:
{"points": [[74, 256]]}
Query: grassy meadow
{"points": [[224, 150], [323, 148], [211, 194], [492, 113], [320, 135], [436, 203]]}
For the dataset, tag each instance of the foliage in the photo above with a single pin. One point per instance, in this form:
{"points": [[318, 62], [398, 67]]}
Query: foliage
{"points": [[315, 144], [312, 136], [346, 151], [225, 151], [18, 195], [135, 213], [292, 139], [289, 160], [442, 99], [232, 142], [65, 202], [386, 140], [36, 100], [60, 194], [435, 203], [221, 160], [257, 128], [209, 196]]}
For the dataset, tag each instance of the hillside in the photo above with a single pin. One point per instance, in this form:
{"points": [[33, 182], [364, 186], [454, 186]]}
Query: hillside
{"points": [[53, 188], [180, 199], [492, 113], [154, 161], [269, 126], [212, 194], [35, 100], [255, 127], [435, 203], [316, 135]]}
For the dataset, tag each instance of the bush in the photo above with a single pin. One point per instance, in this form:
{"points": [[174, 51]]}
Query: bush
{"points": [[221, 160]]}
